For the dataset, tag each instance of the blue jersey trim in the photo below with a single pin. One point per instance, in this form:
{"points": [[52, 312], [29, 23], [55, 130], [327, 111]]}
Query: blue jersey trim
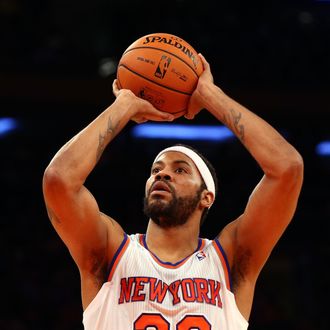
{"points": [[226, 260], [116, 255]]}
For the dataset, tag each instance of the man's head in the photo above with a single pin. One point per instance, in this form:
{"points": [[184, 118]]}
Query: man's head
{"points": [[182, 182]]}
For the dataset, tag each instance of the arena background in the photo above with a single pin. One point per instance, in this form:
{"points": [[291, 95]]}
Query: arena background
{"points": [[57, 63]]}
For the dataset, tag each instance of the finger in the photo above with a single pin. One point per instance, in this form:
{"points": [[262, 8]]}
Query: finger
{"points": [[203, 59], [193, 109], [166, 117], [157, 115], [154, 112], [206, 64], [189, 116], [141, 121], [115, 88], [190, 113], [179, 114]]}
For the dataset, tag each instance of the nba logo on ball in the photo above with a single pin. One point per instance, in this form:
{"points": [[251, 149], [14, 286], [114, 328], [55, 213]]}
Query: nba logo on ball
{"points": [[161, 68]]}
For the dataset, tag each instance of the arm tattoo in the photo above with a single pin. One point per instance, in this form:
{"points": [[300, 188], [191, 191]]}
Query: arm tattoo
{"points": [[111, 129], [232, 121], [239, 128]]}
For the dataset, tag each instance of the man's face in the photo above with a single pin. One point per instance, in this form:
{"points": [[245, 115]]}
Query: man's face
{"points": [[173, 190]]}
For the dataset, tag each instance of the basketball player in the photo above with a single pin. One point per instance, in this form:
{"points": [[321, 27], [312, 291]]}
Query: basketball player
{"points": [[169, 278]]}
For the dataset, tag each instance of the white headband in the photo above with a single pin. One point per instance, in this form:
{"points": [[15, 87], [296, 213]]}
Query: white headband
{"points": [[199, 162]]}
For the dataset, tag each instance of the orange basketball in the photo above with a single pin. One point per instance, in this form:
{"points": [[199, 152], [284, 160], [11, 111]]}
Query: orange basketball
{"points": [[162, 69]]}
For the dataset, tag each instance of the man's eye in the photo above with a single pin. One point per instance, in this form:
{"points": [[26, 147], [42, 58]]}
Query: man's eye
{"points": [[180, 170], [155, 170]]}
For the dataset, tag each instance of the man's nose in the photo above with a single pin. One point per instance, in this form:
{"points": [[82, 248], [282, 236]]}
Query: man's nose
{"points": [[163, 176]]}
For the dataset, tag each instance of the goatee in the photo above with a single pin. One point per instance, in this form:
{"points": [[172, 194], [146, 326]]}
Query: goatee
{"points": [[174, 213]]}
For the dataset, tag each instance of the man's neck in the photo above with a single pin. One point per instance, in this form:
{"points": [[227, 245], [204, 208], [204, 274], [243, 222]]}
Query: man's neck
{"points": [[172, 244]]}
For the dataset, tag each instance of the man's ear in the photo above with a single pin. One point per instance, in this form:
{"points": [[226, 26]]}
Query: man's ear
{"points": [[207, 198]]}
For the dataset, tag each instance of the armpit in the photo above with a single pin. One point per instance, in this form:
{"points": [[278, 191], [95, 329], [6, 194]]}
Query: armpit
{"points": [[240, 267]]}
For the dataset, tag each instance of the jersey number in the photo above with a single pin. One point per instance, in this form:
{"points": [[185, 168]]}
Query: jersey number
{"points": [[158, 322]]}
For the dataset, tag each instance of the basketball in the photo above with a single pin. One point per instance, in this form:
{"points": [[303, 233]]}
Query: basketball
{"points": [[162, 69]]}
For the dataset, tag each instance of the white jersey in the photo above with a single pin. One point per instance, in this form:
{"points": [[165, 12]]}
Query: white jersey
{"points": [[144, 293]]}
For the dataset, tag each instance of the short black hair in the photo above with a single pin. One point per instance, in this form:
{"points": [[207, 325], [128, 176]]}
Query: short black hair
{"points": [[212, 171]]}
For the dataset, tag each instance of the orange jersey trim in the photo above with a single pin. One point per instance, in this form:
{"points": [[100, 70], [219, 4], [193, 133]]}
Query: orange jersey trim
{"points": [[224, 262], [119, 253], [142, 240]]}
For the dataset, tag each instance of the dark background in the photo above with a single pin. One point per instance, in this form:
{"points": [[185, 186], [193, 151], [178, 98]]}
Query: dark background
{"points": [[57, 64]]}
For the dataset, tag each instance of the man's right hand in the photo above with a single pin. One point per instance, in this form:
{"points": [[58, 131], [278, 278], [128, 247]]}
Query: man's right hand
{"points": [[141, 110]]}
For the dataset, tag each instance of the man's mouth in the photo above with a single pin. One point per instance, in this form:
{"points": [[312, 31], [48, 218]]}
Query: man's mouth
{"points": [[160, 186]]}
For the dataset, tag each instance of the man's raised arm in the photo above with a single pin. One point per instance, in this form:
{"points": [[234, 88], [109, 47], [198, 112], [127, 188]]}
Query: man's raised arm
{"points": [[74, 212], [249, 240]]}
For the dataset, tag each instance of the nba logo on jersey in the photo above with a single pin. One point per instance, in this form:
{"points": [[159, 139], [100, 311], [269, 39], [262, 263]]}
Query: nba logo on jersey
{"points": [[200, 255]]}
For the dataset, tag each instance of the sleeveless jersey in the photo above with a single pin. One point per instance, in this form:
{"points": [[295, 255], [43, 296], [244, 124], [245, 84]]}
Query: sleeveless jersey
{"points": [[144, 293]]}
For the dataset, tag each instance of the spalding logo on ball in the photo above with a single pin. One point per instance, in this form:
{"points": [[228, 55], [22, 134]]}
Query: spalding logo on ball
{"points": [[161, 68]]}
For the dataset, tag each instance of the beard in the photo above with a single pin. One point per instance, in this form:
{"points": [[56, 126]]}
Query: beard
{"points": [[174, 213]]}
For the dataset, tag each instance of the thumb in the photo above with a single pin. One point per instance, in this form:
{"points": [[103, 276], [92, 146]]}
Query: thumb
{"points": [[189, 115], [193, 109]]}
